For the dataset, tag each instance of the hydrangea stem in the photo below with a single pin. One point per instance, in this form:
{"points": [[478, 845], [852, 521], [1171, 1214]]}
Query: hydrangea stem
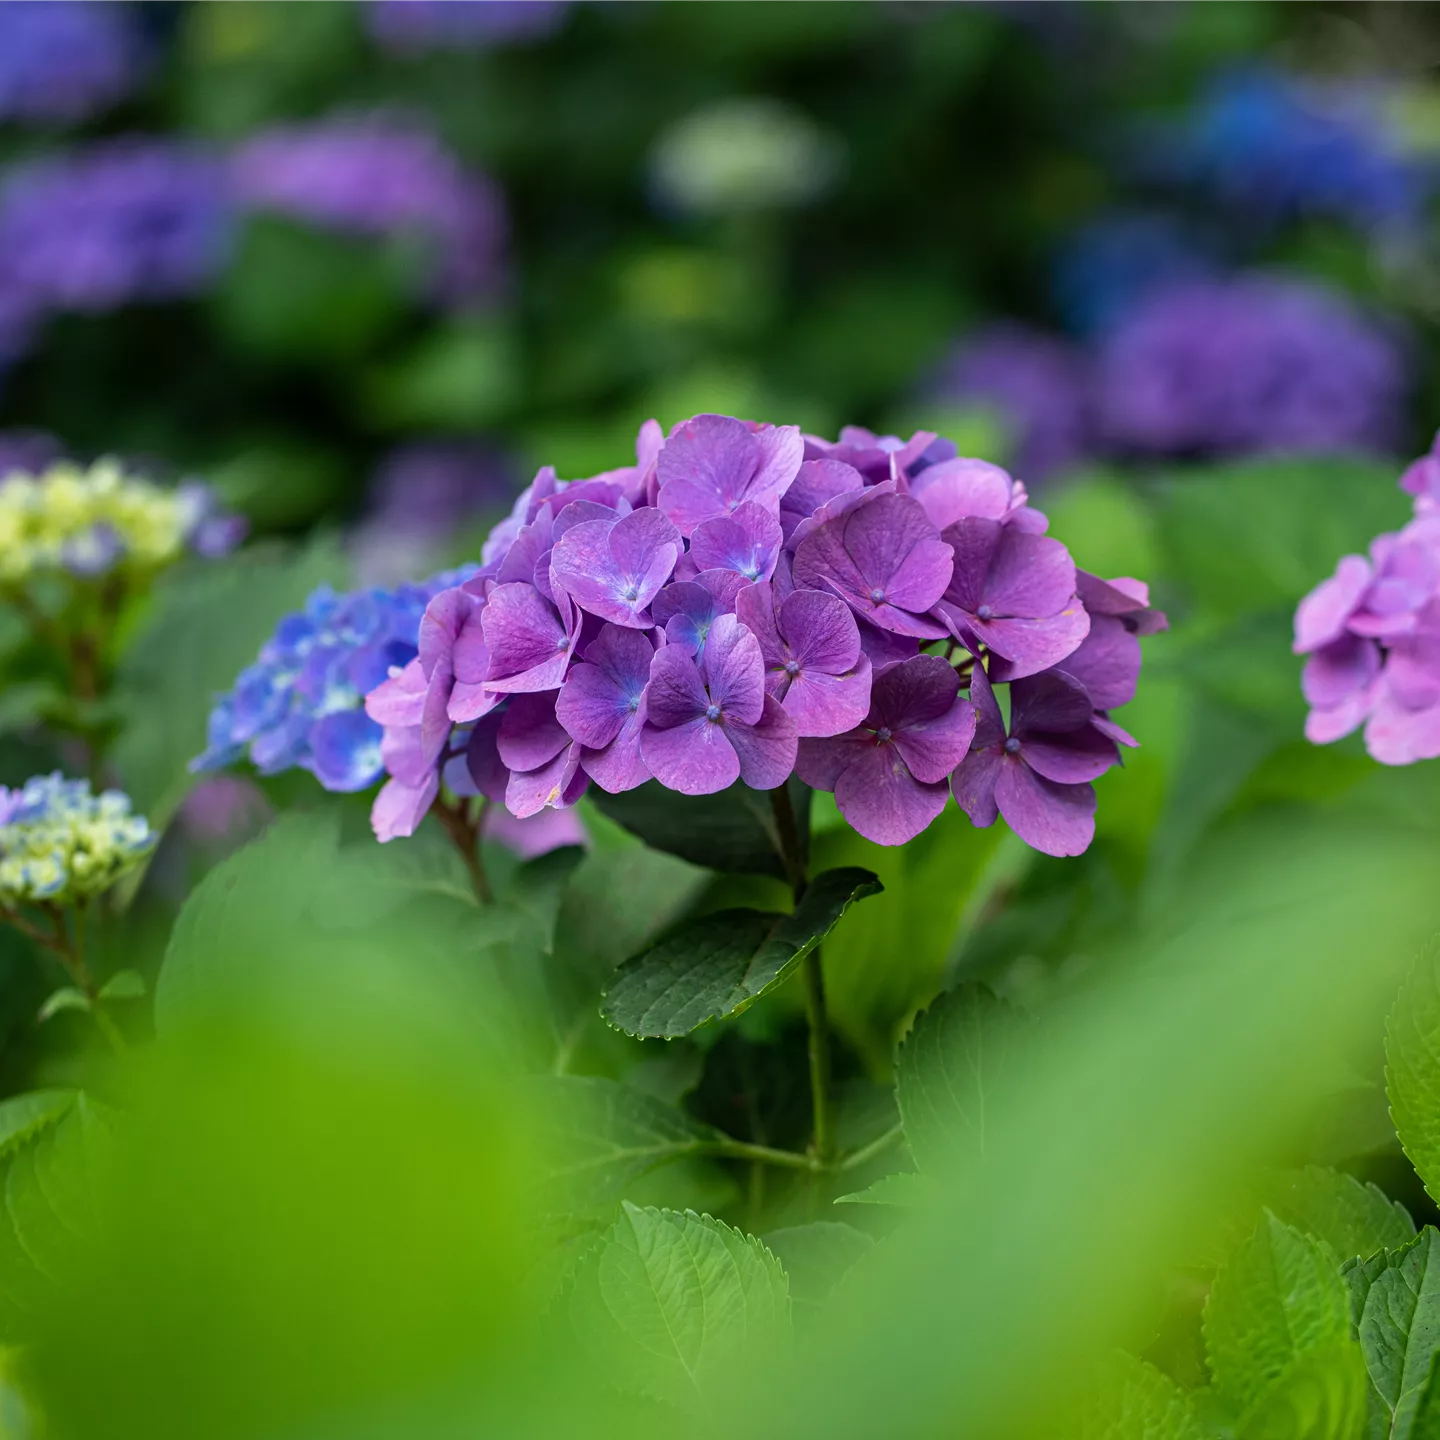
{"points": [[68, 948], [463, 828], [812, 976]]}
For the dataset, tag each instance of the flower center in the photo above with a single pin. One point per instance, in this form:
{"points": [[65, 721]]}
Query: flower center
{"points": [[984, 612], [631, 594], [877, 596], [1012, 746], [883, 735], [792, 667], [712, 713]]}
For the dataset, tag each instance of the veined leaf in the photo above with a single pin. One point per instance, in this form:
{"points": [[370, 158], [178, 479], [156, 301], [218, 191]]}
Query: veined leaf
{"points": [[1396, 1306], [734, 830], [1412, 1068], [1279, 1300], [1320, 1396], [599, 1135], [951, 1062], [676, 1305], [905, 1189], [1135, 1401], [1350, 1217], [23, 1116], [719, 964]]}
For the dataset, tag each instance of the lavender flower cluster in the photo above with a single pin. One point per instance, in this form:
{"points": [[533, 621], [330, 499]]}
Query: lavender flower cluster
{"points": [[745, 602], [299, 704], [1371, 635]]}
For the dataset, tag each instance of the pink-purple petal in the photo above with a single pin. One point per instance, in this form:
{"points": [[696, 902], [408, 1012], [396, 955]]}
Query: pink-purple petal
{"points": [[734, 671], [1054, 819], [766, 750], [677, 693], [695, 758], [883, 801], [822, 704]]}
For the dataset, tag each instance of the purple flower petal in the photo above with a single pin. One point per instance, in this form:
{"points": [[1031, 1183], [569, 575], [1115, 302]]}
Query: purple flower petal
{"points": [[530, 735], [712, 464], [883, 801], [957, 489], [989, 723], [677, 693], [607, 687], [1051, 702], [482, 759], [746, 543], [686, 610], [1126, 599], [816, 483], [1072, 759], [734, 671], [620, 765], [766, 750], [695, 758], [1054, 819], [974, 784], [820, 631], [1106, 663], [555, 785], [529, 638], [399, 807], [1026, 647], [1334, 672], [613, 568], [400, 700], [822, 704]]}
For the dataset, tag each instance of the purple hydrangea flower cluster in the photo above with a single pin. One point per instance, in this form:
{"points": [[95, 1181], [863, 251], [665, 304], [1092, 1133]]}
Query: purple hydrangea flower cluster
{"points": [[1371, 635], [1269, 146], [380, 174], [1037, 382], [745, 602], [122, 220], [414, 26], [1246, 364], [300, 704], [65, 62]]}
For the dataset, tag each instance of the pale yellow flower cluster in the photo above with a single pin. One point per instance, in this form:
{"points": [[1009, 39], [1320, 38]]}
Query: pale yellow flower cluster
{"points": [[89, 522]]}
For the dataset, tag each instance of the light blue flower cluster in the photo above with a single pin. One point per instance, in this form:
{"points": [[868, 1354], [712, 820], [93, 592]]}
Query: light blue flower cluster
{"points": [[300, 703], [59, 843]]}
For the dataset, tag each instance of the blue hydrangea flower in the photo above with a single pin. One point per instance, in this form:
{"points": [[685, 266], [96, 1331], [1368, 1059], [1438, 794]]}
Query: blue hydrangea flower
{"points": [[60, 844], [64, 62], [1269, 146], [300, 704]]}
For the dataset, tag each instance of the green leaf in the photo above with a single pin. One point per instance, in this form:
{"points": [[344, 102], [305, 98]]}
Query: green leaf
{"points": [[23, 1116], [718, 965], [124, 985], [1396, 1304], [207, 623], [67, 997], [1320, 1396], [734, 830], [952, 1061], [1279, 1300], [677, 1306], [597, 1136], [1412, 1068], [1350, 1217], [1135, 1401], [817, 1256], [905, 1190]]}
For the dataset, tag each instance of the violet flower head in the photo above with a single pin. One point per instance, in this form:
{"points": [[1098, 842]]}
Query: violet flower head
{"points": [[1038, 383], [602, 705], [814, 665], [1038, 775], [382, 175], [711, 465], [1014, 594], [123, 220], [1250, 364], [710, 723], [410, 27], [889, 773], [884, 558], [60, 63]]}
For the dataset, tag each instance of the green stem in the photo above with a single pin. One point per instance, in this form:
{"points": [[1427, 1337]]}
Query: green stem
{"points": [[464, 833], [729, 1149], [812, 977], [857, 1158]]}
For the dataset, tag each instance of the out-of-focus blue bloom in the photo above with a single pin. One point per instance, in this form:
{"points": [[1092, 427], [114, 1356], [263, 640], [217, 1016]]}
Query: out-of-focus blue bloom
{"points": [[1251, 363], [27, 451], [380, 174], [422, 494], [1273, 148], [300, 703], [1039, 385], [123, 220], [65, 61], [1110, 264], [411, 26], [60, 844]]}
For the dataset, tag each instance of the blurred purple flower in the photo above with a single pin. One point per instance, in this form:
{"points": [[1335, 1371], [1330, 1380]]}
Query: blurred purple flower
{"points": [[421, 494], [124, 220], [28, 451], [711, 723], [63, 62], [383, 175], [1038, 777], [414, 26], [813, 662], [1250, 364], [1038, 383], [889, 773]]}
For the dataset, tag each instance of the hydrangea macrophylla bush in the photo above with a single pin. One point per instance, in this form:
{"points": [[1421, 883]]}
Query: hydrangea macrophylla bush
{"points": [[744, 603], [1371, 636]]}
